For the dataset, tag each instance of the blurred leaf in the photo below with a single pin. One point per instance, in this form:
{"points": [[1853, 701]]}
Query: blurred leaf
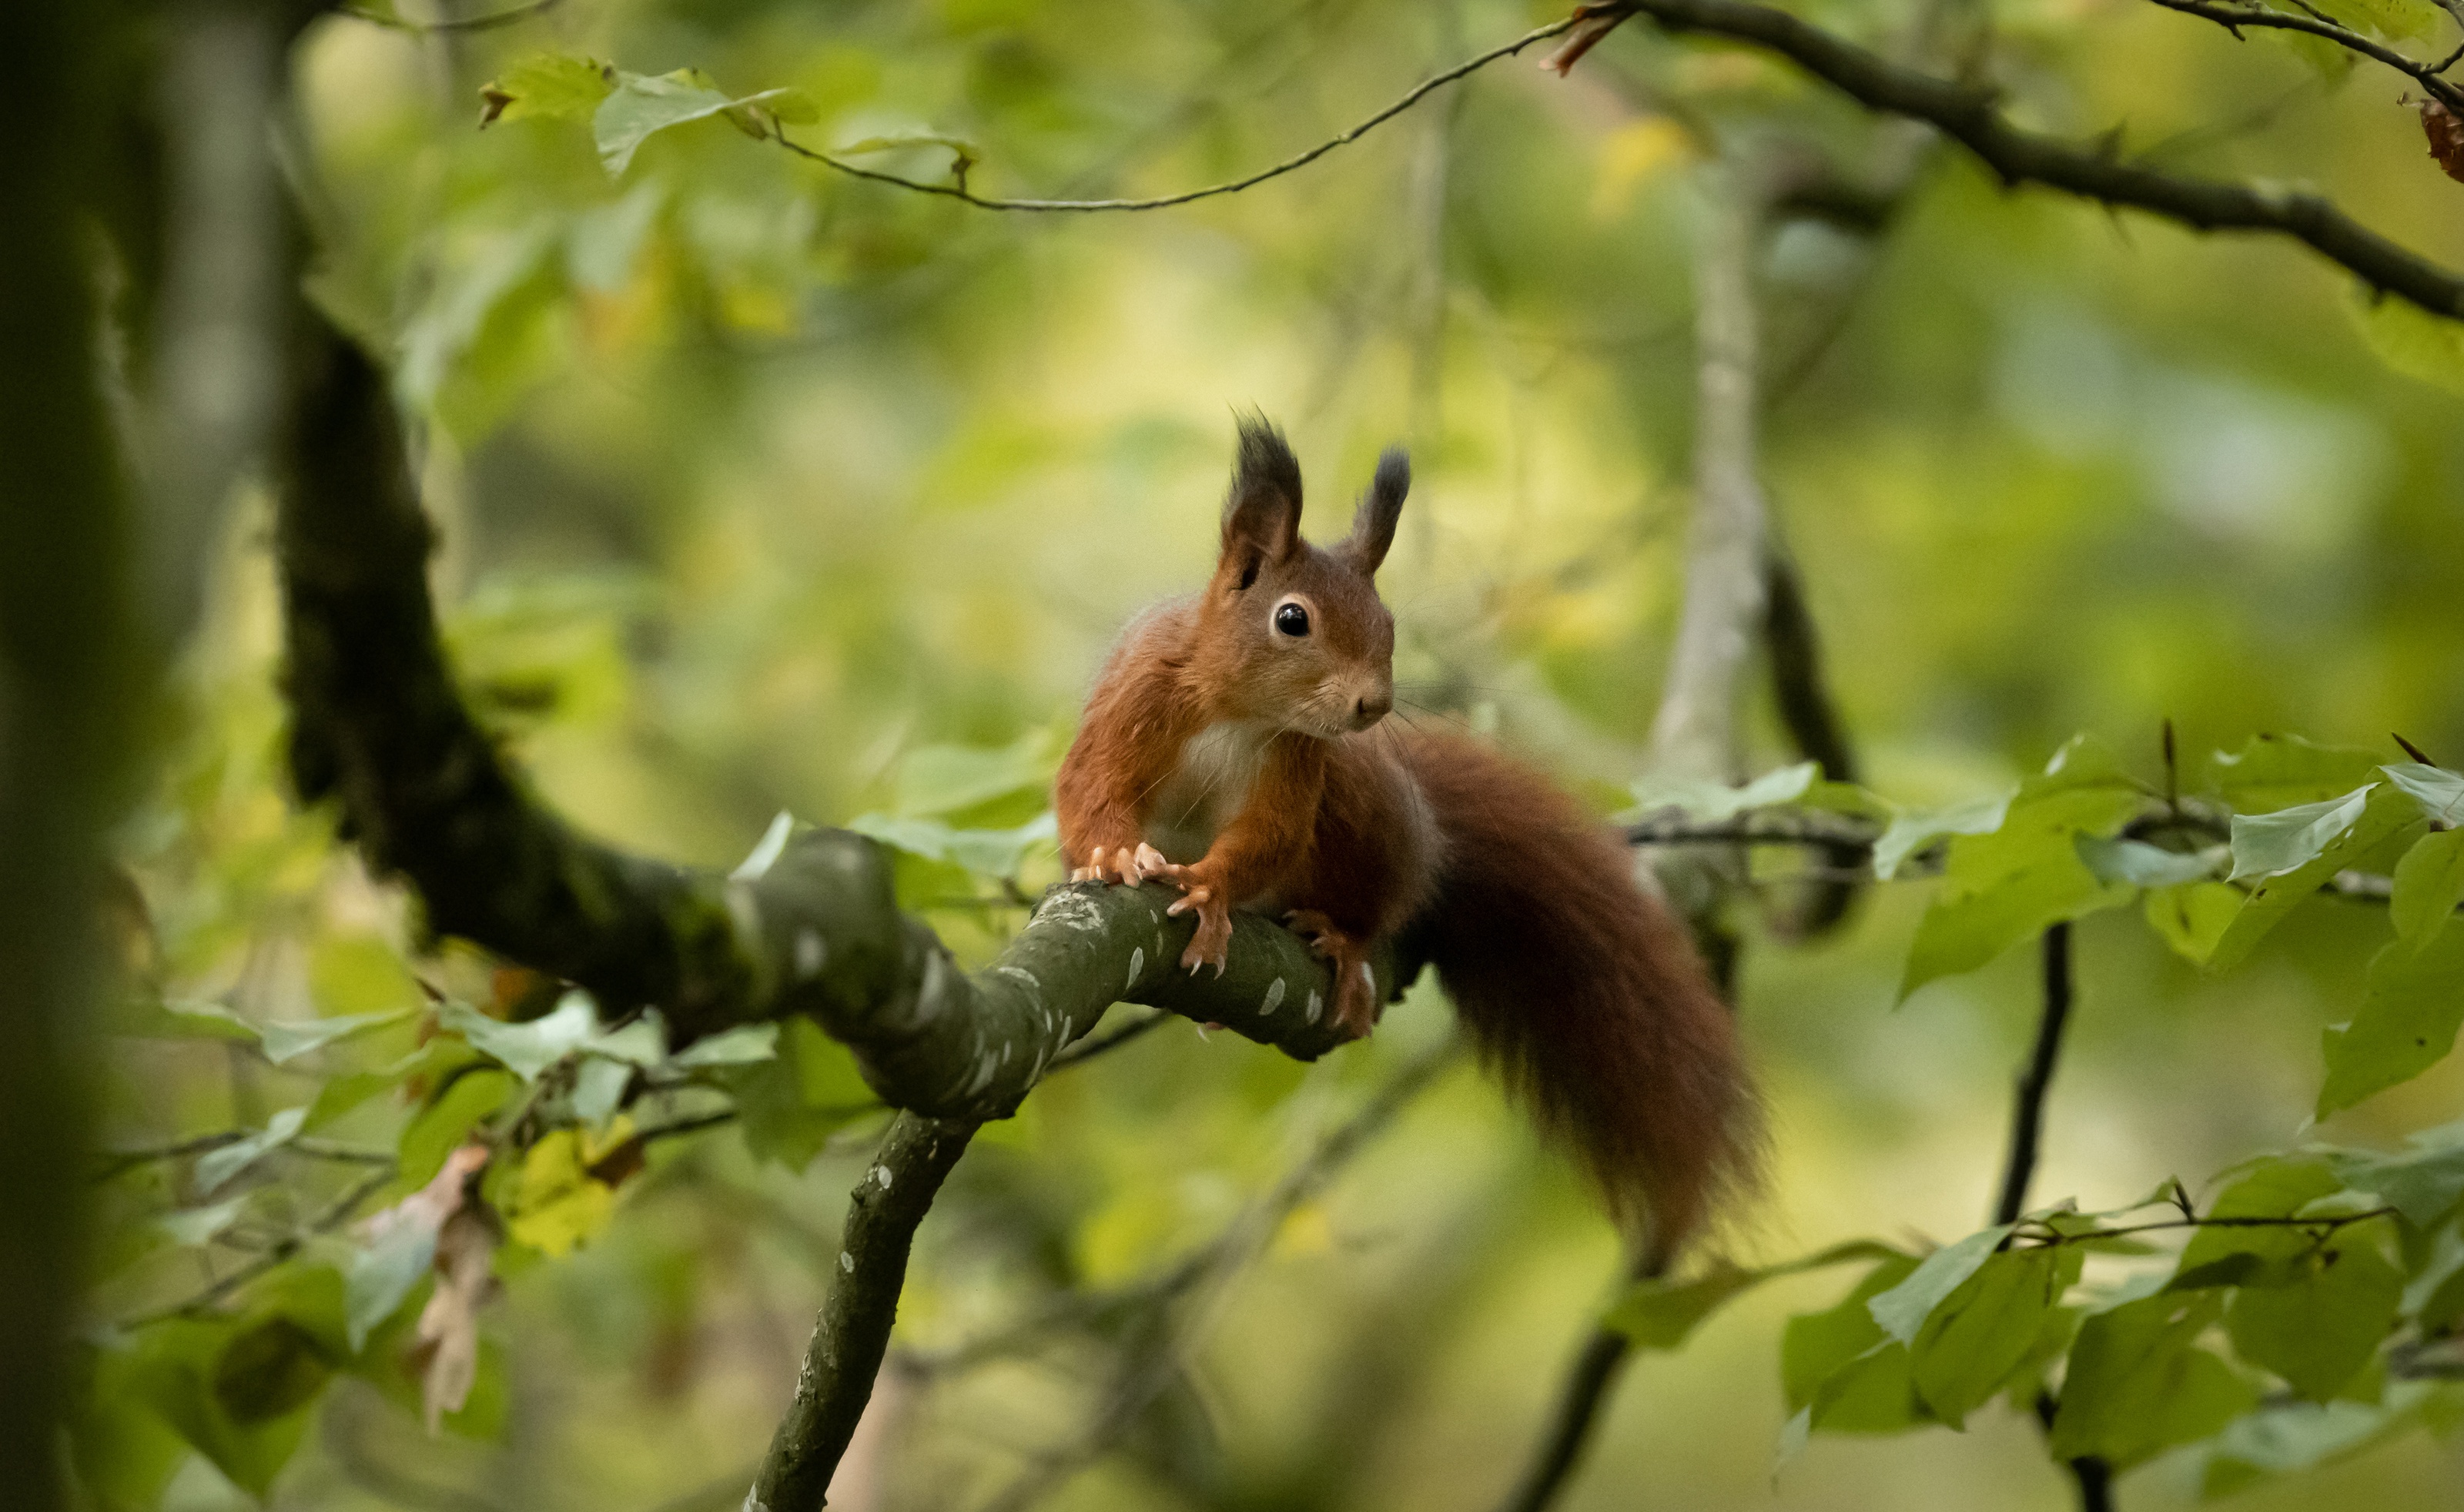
{"points": [[2138, 1385], [2422, 1181], [2387, 811], [548, 86], [1661, 1314], [558, 1204], [1710, 802], [642, 105], [164, 1018], [597, 1086], [2274, 772], [198, 1226], [124, 1452], [982, 852], [1843, 1373], [467, 305], [1976, 1338], [2284, 1437], [402, 1244], [217, 1166], [2319, 1327], [285, 1042], [175, 1371], [2406, 1022], [1902, 1311], [439, 1127], [2000, 888], [2412, 341], [2395, 20], [1915, 829], [2193, 918], [2429, 885], [946, 778], [269, 1371], [2439, 791], [2265, 844], [605, 243], [745, 1045], [526, 1049], [790, 1104], [2140, 864]]}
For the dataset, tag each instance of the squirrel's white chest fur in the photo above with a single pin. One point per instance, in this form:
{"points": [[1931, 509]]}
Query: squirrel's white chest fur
{"points": [[1209, 782]]}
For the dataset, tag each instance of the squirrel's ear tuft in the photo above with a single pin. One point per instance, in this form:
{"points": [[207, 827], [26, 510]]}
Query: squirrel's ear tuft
{"points": [[1373, 523], [1262, 514]]}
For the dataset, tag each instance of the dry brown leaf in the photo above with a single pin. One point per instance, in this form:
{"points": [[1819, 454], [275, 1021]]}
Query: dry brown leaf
{"points": [[448, 1338], [2446, 132]]}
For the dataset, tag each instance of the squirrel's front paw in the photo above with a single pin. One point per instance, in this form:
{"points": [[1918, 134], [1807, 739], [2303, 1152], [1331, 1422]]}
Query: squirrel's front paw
{"points": [[1127, 864], [1212, 943]]}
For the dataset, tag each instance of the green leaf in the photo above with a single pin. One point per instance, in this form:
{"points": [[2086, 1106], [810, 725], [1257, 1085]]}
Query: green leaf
{"points": [[642, 105], [1913, 830], [947, 779], [169, 1018], [2193, 917], [285, 1042], [2006, 887], [2429, 885], [597, 1086], [2137, 1385], [2439, 791], [2406, 1023], [2410, 340], [2273, 772], [745, 1045], [1841, 1372], [2394, 20], [790, 1104], [985, 852], [268, 1370], [176, 1374], [526, 1049], [2422, 1182], [1903, 1310], [2140, 864], [1714, 801], [2265, 844], [2389, 810], [384, 1273], [1982, 1333], [549, 87], [2301, 1436], [2318, 1329], [439, 1127], [1661, 1314], [197, 1226], [217, 1166]]}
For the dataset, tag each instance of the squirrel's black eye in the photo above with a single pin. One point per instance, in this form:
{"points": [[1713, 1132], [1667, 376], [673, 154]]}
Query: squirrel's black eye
{"points": [[1291, 618]]}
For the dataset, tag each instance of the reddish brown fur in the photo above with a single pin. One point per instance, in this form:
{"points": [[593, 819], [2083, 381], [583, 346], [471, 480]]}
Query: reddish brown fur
{"points": [[1572, 981]]}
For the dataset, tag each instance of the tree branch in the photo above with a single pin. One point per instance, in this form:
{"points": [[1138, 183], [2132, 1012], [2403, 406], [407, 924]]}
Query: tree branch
{"points": [[1966, 114], [1298, 160], [851, 1336], [488, 22]]}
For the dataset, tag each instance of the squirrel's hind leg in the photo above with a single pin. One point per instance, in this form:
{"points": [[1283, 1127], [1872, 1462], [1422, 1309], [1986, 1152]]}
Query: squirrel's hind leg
{"points": [[1355, 985]]}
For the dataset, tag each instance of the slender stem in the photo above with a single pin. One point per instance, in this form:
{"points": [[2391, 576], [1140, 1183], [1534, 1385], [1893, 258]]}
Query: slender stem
{"points": [[2028, 1111], [2093, 1476], [1595, 1369], [1298, 160]]}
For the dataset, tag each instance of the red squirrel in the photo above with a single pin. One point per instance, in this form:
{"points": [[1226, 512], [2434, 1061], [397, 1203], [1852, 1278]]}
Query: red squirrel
{"points": [[1236, 747]]}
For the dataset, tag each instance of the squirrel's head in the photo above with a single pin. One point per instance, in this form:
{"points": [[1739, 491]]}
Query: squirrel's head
{"points": [[1297, 636]]}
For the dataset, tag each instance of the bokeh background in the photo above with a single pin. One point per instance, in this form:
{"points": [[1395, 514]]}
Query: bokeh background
{"points": [[755, 481]]}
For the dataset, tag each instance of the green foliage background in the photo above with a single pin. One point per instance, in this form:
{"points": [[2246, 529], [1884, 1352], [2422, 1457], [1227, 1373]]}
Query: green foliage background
{"points": [[762, 489]]}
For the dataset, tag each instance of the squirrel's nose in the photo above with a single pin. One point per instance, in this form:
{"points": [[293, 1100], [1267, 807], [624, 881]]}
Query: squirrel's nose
{"points": [[1370, 708]]}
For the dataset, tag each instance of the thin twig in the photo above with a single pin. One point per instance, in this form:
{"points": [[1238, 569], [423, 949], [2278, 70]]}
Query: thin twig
{"points": [[2234, 17], [119, 1162], [2091, 1475], [1595, 1369], [332, 1219], [1299, 160]]}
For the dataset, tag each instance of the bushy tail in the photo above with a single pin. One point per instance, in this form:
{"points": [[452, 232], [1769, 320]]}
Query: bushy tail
{"points": [[1585, 994]]}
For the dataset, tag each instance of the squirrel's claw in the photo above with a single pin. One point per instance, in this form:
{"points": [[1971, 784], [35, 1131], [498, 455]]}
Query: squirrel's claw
{"points": [[1355, 986], [1212, 943]]}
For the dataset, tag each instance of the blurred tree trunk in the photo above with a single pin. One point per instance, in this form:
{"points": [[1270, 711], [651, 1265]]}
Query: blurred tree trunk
{"points": [[70, 679]]}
